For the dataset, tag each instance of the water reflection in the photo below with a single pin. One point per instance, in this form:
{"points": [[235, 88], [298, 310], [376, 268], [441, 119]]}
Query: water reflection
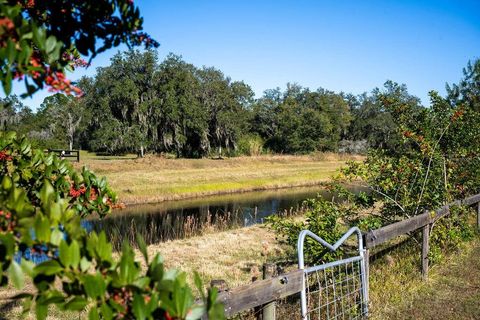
{"points": [[180, 219]]}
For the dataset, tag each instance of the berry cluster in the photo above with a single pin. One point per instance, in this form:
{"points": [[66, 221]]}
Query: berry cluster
{"points": [[74, 193], [7, 221], [58, 82], [5, 157]]}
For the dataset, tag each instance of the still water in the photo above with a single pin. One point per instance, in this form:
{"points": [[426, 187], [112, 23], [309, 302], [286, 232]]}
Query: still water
{"points": [[179, 219]]}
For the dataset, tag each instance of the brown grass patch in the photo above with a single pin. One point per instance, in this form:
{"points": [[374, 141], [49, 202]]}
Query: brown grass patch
{"points": [[235, 256]]}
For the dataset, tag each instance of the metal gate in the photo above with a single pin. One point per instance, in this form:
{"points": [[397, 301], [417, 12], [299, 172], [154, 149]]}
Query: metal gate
{"points": [[334, 290]]}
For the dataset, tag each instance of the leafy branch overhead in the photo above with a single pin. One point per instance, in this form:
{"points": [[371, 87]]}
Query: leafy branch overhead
{"points": [[40, 40]]}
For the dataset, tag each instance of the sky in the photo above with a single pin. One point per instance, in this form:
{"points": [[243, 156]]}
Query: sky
{"points": [[349, 46]]}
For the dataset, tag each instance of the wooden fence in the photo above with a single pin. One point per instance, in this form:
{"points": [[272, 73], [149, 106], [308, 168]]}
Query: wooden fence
{"points": [[263, 293], [63, 153]]}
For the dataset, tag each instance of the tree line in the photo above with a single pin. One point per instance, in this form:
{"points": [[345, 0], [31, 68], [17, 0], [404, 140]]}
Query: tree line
{"points": [[139, 104]]}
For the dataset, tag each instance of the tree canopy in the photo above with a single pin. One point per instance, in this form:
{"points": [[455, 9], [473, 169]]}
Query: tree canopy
{"points": [[140, 104]]}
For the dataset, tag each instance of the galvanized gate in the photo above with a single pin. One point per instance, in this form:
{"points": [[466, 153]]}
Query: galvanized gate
{"points": [[334, 290]]}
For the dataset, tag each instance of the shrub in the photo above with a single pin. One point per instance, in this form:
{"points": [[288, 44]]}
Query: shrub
{"points": [[322, 217], [42, 201], [250, 145]]}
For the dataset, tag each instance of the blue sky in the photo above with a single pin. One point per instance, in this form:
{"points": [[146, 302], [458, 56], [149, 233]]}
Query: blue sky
{"points": [[350, 46]]}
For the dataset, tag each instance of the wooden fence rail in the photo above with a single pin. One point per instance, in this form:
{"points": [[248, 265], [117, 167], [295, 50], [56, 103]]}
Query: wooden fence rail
{"points": [[424, 222], [264, 292], [65, 153], [261, 292]]}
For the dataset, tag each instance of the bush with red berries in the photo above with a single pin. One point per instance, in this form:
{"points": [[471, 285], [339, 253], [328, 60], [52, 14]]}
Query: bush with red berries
{"points": [[42, 202]]}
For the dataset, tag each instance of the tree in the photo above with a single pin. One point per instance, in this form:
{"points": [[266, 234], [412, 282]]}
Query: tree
{"points": [[11, 110], [301, 121], [173, 106], [66, 114], [225, 101], [125, 91], [373, 122], [181, 119]]}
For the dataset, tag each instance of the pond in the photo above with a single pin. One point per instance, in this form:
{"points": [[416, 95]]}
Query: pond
{"points": [[179, 219]]}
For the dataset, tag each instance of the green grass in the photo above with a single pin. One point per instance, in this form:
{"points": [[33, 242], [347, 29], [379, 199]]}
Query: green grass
{"points": [[156, 179]]}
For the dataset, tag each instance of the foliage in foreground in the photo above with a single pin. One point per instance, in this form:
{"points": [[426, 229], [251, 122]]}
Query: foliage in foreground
{"points": [[42, 201]]}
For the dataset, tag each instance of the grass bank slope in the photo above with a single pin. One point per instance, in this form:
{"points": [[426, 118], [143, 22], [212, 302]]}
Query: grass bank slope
{"points": [[156, 179]]}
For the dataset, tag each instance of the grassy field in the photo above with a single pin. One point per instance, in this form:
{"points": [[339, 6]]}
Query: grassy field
{"points": [[156, 179]]}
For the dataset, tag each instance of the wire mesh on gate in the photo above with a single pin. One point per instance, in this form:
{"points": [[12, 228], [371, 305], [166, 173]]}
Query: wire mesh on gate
{"points": [[335, 290]]}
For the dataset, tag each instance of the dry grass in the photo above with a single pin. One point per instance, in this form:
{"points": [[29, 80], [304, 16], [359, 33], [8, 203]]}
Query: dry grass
{"points": [[235, 256], [451, 292], [156, 179]]}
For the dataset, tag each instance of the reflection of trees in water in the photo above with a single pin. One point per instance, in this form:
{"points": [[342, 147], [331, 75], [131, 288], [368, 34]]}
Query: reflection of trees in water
{"points": [[167, 225], [157, 224]]}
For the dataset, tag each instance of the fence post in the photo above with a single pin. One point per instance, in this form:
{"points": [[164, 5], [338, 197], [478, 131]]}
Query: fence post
{"points": [[425, 249], [478, 216], [268, 310], [366, 257], [78, 155], [220, 284]]}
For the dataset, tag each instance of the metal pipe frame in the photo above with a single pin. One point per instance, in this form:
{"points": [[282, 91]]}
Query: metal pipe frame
{"points": [[301, 262]]}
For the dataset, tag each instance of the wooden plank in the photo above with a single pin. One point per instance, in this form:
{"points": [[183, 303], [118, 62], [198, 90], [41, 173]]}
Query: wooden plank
{"points": [[67, 153], [425, 249], [472, 200], [261, 292], [379, 236]]}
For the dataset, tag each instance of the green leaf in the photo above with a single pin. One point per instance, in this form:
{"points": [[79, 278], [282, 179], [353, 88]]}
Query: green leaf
{"points": [[139, 307], [84, 264], [56, 237], [128, 269], [55, 211], [6, 183], [50, 44], [27, 267], [64, 254], [199, 284], [103, 247], [16, 274], [42, 228], [93, 314], [75, 254], [48, 268], [41, 311], [196, 313], [76, 304], [46, 192], [107, 313], [94, 285], [216, 311], [7, 83]]}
